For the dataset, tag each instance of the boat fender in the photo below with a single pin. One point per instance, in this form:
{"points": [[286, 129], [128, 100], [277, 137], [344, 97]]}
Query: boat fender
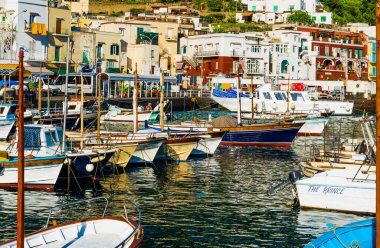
{"points": [[294, 176], [29, 156], [54, 222], [89, 167], [97, 159]]}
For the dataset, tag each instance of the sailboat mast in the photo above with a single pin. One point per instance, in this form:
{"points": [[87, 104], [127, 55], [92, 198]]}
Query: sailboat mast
{"points": [[40, 91], [377, 122], [252, 101], [65, 108], [81, 111], [162, 97], [136, 103], [20, 180], [99, 108], [239, 101]]}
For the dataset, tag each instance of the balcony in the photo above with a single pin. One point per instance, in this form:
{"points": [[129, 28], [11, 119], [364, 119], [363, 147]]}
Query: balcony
{"points": [[60, 30], [331, 68], [206, 53]]}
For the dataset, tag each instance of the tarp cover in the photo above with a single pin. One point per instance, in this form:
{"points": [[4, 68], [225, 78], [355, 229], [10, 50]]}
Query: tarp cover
{"points": [[225, 121]]}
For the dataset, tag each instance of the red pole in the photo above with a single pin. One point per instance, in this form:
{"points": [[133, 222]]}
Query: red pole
{"points": [[20, 182]]}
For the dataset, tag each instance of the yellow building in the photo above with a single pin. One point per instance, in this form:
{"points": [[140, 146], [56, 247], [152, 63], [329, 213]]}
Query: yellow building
{"points": [[77, 6], [59, 29], [97, 48], [372, 58]]}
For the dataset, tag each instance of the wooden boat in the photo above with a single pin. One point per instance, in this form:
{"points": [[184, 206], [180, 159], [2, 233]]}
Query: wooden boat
{"points": [[207, 144], [101, 231], [123, 154], [7, 119], [357, 234], [177, 149], [40, 173]]}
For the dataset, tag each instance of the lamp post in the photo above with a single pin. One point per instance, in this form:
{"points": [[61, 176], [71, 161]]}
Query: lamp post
{"points": [[66, 93], [13, 19], [150, 50]]}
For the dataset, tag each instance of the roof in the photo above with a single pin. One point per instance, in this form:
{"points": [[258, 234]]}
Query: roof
{"points": [[36, 70], [131, 77]]}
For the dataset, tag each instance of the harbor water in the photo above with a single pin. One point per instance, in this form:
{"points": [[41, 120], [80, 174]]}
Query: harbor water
{"points": [[220, 201]]}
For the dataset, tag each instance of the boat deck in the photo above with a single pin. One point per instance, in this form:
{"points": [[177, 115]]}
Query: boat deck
{"points": [[91, 241]]}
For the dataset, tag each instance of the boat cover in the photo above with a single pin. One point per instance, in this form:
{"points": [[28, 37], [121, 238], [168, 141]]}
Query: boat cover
{"points": [[225, 121], [228, 94]]}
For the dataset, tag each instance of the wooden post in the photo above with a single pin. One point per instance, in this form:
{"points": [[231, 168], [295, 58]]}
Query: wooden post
{"points": [[20, 178], [48, 95], [81, 111], [377, 122], [99, 108], [162, 97], [136, 103], [76, 86], [40, 91]]}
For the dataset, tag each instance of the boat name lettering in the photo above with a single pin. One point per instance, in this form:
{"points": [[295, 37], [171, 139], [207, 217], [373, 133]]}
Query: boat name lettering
{"points": [[313, 189], [333, 190]]}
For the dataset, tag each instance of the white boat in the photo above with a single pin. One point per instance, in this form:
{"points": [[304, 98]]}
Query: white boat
{"points": [[7, 119], [340, 190], [40, 173], [96, 232], [275, 101], [312, 126], [117, 114]]}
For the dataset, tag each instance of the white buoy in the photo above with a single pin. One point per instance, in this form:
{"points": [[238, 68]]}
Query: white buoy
{"points": [[89, 167]]}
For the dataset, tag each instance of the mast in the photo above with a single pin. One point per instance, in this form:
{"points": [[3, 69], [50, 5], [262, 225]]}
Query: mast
{"points": [[99, 109], [239, 101], [20, 179], [81, 111], [288, 97], [162, 96], [377, 122], [40, 92], [5, 89], [252, 101], [135, 103], [65, 109]]}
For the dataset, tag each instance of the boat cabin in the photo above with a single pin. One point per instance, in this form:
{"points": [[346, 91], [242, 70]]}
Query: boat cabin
{"points": [[8, 111]]}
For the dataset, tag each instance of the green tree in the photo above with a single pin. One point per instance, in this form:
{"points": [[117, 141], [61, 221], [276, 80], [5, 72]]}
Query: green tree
{"points": [[300, 17]]}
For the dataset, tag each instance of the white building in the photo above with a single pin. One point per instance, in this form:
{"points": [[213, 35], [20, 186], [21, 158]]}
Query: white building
{"points": [[29, 19], [272, 12], [291, 56]]}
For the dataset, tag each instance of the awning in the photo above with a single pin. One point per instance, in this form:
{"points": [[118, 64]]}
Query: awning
{"points": [[36, 70], [8, 66], [60, 71]]}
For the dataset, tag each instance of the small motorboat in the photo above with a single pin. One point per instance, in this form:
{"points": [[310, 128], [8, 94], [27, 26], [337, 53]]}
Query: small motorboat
{"points": [[357, 234], [101, 231]]}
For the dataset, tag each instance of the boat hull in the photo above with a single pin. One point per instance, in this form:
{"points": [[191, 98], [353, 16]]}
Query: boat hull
{"points": [[146, 152], [206, 146], [123, 154], [312, 127], [247, 136], [176, 151], [333, 191], [40, 173], [128, 118]]}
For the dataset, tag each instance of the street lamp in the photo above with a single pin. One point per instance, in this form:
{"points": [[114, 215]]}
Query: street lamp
{"points": [[66, 93], [13, 19], [150, 49]]}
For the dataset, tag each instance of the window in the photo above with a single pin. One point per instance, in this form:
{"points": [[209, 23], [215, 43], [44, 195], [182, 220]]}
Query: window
{"points": [[184, 49], [284, 66], [327, 51], [255, 49], [216, 65], [279, 96], [114, 49], [140, 31], [296, 97], [323, 18], [267, 96], [373, 71], [111, 64], [235, 66], [58, 26], [275, 8], [32, 18], [350, 53], [99, 50], [291, 7], [57, 53], [373, 57], [360, 53], [253, 66], [85, 57], [253, 8], [316, 48], [373, 47]]}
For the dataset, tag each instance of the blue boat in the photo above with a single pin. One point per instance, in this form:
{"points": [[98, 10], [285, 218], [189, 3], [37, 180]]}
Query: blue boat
{"points": [[358, 234]]}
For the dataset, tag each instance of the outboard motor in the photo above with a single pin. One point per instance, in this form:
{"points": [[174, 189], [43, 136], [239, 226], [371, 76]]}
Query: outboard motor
{"points": [[294, 176]]}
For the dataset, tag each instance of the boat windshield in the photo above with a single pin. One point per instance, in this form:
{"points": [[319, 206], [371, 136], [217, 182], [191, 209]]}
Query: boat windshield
{"points": [[297, 97], [51, 139], [267, 96], [284, 96], [280, 96]]}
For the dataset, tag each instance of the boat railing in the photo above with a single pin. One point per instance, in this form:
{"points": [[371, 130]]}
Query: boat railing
{"points": [[136, 230]]}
